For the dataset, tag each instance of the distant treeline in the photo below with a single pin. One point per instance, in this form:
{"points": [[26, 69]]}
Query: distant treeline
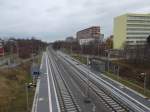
{"points": [[24, 47]]}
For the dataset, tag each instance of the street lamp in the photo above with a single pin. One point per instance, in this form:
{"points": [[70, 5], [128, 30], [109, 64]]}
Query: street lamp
{"points": [[82, 52], [16, 44], [2, 47], [27, 96], [87, 98], [144, 74], [118, 71], [27, 86], [98, 48], [108, 58], [71, 48]]}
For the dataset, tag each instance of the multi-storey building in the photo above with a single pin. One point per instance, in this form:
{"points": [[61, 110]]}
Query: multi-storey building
{"points": [[131, 29], [70, 39], [88, 35]]}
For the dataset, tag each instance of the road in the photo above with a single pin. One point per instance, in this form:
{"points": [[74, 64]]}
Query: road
{"points": [[65, 85]]}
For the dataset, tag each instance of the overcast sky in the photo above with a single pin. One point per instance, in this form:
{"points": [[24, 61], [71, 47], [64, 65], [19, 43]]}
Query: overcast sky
{"points": [[53, 20]]}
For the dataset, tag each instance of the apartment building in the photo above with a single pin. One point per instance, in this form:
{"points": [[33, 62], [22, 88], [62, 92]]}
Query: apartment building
{"points": [[131, 29], [70, 39], [88, 35]]}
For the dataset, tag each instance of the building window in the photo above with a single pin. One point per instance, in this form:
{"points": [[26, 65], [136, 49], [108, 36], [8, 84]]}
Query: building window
{"points": [[138, 21], [140, 42], [138, 25], [129, 42], [136, 37], [137, 33], [138, 29], [138, 17]]}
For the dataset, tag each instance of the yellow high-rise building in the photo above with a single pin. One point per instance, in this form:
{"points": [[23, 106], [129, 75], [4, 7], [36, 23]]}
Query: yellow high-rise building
{"points": [[131, 29]]}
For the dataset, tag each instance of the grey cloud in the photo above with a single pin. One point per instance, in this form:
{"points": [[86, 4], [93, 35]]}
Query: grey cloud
{"points": [[51, 20], [53, 9]]}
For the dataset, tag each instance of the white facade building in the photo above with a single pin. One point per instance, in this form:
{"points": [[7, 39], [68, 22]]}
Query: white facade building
{"points": [[131, 29], [138, 29], [86, 41], [88, 35]]}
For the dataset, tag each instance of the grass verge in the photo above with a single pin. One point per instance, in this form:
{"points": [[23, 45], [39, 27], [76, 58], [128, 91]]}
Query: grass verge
{"points": [[129, 84], [80, 58], [12, 88]]}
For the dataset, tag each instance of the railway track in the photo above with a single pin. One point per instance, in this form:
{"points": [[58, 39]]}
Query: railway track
{"points": [[66, 100], [99, 93]]}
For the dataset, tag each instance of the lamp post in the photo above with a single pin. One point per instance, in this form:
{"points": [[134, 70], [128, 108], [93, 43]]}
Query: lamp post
{"points": [[82, 52], [16, 44], [71, 49], [108, 58], [27, 86], [2, 48], [17, 48], [118, 71], [27, 96], [87, 98], [144, 74], [98, 48]]}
